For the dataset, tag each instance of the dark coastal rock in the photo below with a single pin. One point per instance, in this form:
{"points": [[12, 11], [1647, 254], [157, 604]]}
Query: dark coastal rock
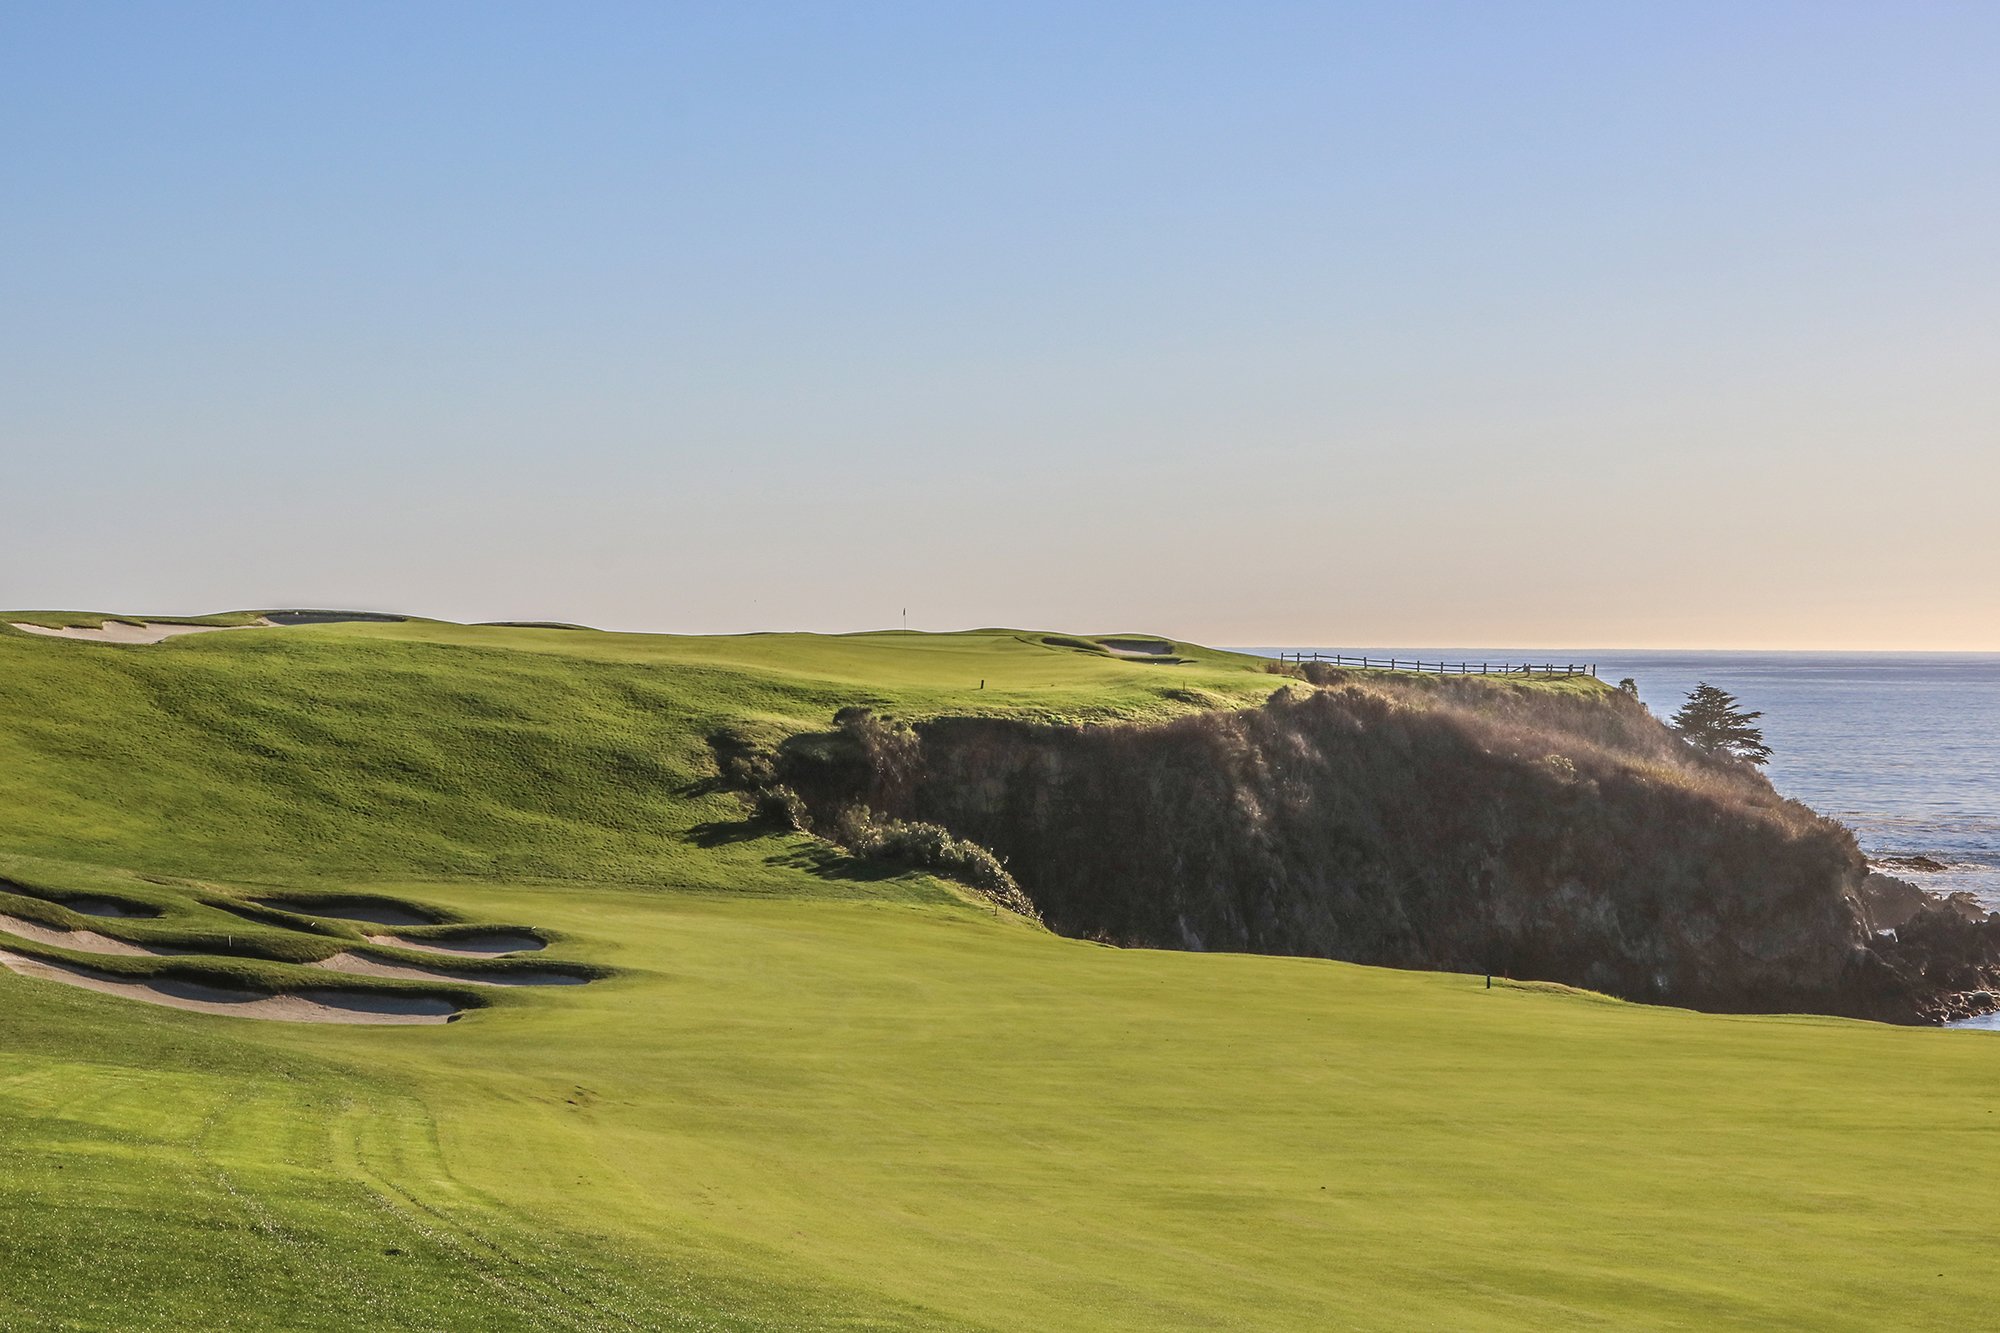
{"points": [[1947, 957], [1924, 864], [1886, 902], [1965, 905]]}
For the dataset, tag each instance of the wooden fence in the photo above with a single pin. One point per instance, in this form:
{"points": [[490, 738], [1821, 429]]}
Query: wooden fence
{"points": [[1556, 669]]}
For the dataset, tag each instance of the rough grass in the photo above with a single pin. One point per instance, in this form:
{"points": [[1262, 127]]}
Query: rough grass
{"points": [[818, 1094]]}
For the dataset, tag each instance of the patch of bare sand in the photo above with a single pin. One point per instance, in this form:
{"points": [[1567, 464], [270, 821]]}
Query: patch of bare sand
{"points": [[481, 942], [119, 631], [356, 965], [313, 1006], [83, 941]]}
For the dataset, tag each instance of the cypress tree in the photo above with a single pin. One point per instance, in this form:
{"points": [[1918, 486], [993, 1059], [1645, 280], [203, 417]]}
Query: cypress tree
{"points": [[1711, 721]]}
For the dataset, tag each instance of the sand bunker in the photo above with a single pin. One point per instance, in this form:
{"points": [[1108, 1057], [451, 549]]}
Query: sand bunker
{"points": [[83, 941], [312, 1006], [155, 631], [355, 965], [119, 631], [376, 912], [476, 941]]}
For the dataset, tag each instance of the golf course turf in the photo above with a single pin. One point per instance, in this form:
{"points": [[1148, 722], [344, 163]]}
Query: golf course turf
{"points": [[802, 1091]]}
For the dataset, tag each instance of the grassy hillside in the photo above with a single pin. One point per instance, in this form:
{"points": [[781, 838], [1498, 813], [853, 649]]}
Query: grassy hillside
{"points": [[446, 749], [811, 1094]]}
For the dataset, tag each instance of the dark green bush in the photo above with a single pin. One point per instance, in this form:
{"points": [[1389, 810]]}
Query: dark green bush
{"points": [[931, 847], [740, 761], [781, 807]]}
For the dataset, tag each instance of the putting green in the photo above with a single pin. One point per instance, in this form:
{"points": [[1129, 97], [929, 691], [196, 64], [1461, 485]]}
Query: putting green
{"points": [[801, 1093]]}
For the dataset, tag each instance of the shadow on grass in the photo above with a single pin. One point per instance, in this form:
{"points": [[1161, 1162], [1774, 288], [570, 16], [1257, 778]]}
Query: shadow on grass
{"points": [[827, 862], [820, 859], [724, 832]]}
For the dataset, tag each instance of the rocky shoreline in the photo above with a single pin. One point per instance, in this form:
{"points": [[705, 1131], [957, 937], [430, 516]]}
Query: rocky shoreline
{"points": [[1947, 946]]}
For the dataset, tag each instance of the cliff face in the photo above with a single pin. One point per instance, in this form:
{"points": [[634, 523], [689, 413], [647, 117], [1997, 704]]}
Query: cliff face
{"points": [[1467, 826]]}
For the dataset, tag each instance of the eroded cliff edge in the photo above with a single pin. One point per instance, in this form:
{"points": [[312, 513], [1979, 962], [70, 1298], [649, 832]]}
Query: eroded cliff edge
{"points": [[1462, 825]]}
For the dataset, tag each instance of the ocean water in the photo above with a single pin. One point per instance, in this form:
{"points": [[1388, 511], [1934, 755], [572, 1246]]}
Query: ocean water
{"points": [[1902, 748]]}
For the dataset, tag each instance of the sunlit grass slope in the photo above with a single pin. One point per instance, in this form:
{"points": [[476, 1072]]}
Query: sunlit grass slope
{"points": [[813, 1097], [456, 750]]}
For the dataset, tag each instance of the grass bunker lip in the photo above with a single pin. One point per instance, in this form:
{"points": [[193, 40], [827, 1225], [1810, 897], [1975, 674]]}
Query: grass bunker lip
{"points": [[1139, 647], [85, 904], [466, 942], [354, 964], [91, 905], [369, 910], [310, 617]]}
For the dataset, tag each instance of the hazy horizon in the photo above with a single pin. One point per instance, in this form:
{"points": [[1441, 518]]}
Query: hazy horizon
{"points": [[1664, 326], [1428, 651]]}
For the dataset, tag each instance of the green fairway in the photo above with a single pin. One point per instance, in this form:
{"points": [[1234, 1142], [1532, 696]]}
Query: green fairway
{"points": [[806, 1093]]}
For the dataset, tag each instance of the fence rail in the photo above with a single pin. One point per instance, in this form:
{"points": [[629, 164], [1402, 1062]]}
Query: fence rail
{"points": [[1556, 669]]}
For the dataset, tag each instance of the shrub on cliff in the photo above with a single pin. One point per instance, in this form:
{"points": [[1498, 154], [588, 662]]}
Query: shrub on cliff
{"points": [[931, 847], [741, 764], [888, 749], [781, 807]]}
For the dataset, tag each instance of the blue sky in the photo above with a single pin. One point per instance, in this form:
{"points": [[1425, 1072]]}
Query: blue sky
{"points": [[1618, 324]]}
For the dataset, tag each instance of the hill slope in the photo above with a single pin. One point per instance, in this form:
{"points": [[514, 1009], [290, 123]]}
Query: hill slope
{"points": [[817, 1093]]}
